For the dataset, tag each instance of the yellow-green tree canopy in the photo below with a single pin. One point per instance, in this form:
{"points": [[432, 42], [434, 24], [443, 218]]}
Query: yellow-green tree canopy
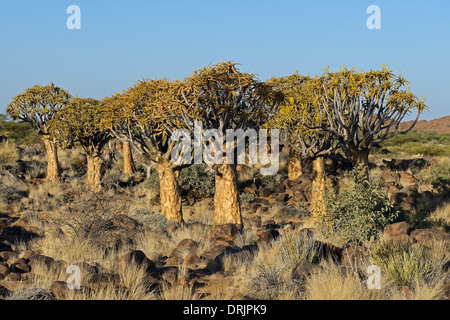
{"points": [[225, 98], [298, 113], [147, 114], [37, 106], [361, 109], [79, 122]]}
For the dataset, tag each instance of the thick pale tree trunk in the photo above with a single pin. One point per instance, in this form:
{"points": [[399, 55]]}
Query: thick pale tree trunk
{"points": [[53, 171], [128, 164], [360, 158], [295, 164], [318, 207], [227, 208], [169, 193], [94, 165]]}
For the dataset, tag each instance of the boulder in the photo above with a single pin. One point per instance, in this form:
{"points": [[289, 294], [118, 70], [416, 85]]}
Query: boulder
{"points": [[42, 260], [398, 228], [303, 270], [136, 257], [265, 192], [354, 256], [226, 232], [426, 236], [267, 235]]}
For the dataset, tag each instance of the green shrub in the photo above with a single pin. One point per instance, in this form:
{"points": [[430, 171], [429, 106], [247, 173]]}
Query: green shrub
{"points": [[358, 211], [196, 182], [401, 264], [246, 197], [18, 132]]}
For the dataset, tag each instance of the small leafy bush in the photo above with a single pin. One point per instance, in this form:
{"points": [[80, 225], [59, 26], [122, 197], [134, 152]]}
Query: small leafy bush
{"points": [[358, 211], [196, 182]]}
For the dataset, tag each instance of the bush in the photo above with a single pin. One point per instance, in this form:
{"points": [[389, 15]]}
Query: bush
{"points": [[196, 182], [18, 132], [358, 212]]}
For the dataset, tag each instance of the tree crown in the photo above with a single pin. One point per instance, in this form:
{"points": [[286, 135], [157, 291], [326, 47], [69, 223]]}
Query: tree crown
{"points": [[37, 105]]}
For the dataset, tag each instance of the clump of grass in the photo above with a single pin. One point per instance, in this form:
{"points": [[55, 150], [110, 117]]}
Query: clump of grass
{"points": [[437, 174], [401, 264], [8, 153], [296, 248], [332, 283]]}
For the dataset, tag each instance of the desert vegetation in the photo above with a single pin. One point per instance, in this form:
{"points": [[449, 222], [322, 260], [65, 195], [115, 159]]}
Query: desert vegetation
{"points": [[89, 186]]}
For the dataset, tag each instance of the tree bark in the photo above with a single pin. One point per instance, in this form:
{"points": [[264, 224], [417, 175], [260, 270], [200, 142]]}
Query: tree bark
{"points": [[169, 193], [295, 164], [318, 207], [128, 164], [227, 208], [53, 170], [94, 164]]}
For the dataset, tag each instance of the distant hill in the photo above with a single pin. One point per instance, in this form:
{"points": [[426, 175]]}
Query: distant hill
{"points": [[440, 125]]}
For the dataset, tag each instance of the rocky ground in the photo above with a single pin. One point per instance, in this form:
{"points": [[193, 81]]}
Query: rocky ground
{"points": [[202, 261]]}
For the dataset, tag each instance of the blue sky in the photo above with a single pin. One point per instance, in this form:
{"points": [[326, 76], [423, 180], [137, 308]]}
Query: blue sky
{"points": [[121, 42]]}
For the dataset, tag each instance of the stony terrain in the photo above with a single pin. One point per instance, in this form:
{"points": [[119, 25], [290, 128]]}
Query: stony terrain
{"points": [[126, 250]]}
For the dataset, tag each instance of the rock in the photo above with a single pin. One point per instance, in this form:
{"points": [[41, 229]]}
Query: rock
{"points": [[307, 232], [104, 278], [20, 230], [270, 224], [426, 236], [265, 192], [267, 235], [226, 232], [282, 197], [59, 289], [42, 260], [8, 255], [4, 269], [177, 255], [279, 188], [20, 268], [303, 270], [13, 276], [402, 239], [398, 228], [403, 200], [136, 257], [5, 247], [4, 292], [191, 261], [354, 256], [86, 268]]}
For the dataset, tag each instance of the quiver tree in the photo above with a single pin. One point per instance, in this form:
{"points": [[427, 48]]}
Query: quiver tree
{"points": [[79, 123], [227, 99], [37, 106], [362, 109], [289, 118], [146, 115], [128, 163], [298, 117]]}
